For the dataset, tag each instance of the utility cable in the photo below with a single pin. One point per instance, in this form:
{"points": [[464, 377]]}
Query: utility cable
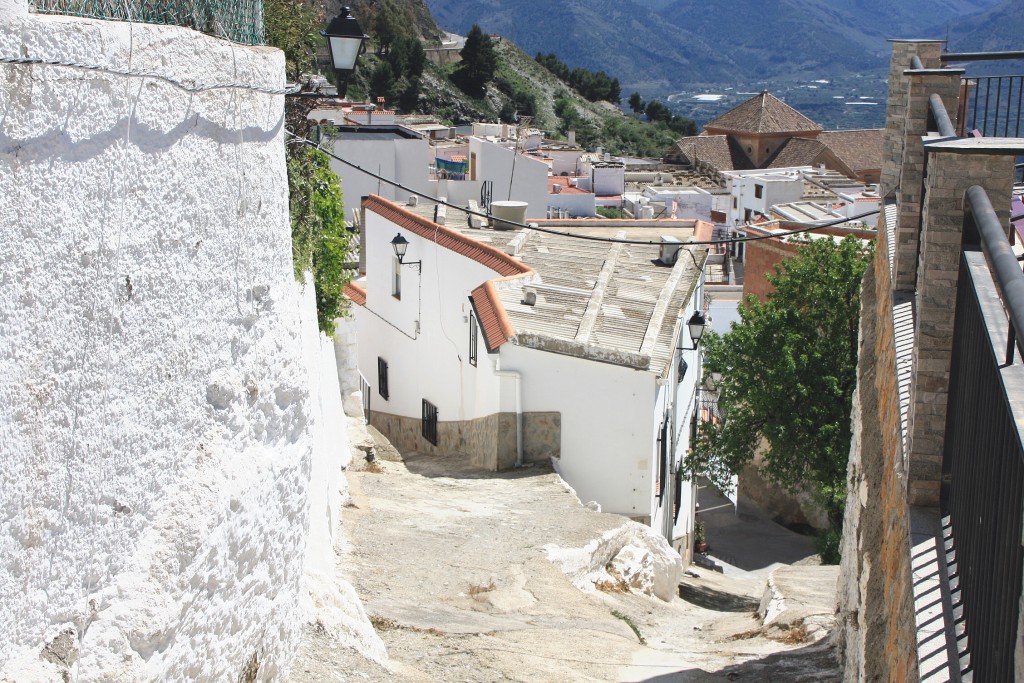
{"points": [[592, 238], [193, 87]]}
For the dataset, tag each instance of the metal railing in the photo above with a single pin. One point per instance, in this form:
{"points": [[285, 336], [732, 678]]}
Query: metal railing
{"points": [[991, 105], [983, 465], [237, 20]]}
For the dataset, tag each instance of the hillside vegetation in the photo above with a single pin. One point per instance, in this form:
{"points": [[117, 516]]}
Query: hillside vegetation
{"points": [[521, 86], [657, 46]]}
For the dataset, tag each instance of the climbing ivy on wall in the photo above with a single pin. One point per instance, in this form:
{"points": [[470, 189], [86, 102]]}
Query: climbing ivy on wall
{"points": [[321, 244]]}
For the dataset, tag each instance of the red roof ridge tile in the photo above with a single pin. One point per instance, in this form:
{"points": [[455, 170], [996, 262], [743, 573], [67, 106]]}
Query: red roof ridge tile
{"points": [[356, 293], [454, 240], [494, 320]]}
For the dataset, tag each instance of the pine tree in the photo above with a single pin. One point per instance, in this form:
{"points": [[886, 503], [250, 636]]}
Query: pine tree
{"points": [[479, 62]]}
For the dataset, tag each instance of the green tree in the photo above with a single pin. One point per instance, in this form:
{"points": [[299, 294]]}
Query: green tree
{"points": [[479, 62], [294, 28], [636, 103], [382, 81], [788, 375]]}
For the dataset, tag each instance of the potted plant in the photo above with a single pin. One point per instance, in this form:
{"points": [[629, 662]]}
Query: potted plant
{"points": [[700, 538]]}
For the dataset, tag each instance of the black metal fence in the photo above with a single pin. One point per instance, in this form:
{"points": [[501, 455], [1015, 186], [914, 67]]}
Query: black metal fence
{"points": [[237, 20], [983, 467], [992, 105]]}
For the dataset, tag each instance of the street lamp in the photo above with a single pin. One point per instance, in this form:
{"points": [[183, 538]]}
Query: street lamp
{"points": [[696, 325], [400, 245], [345, 42]]}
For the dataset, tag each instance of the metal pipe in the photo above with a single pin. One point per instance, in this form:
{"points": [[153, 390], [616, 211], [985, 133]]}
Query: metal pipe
{"points": [[1008, 274], [514, 374], [980, 56], [941, 117]]}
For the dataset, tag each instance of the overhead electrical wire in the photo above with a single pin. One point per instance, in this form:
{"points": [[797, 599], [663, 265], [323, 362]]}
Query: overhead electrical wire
{"points": [[592, 238], [193, 87]]}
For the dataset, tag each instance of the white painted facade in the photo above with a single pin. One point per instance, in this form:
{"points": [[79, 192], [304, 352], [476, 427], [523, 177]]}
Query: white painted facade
{"points": [[753, 192], [424, 335], [494, 162], [158, 412], [405, 160], [573, 205], [611, 415]]}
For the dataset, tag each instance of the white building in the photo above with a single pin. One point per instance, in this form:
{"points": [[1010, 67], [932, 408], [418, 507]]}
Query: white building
{"points": [[566, 199], [520, 346], [512, 175], [391, 151], [671, 201], [753, 192]]}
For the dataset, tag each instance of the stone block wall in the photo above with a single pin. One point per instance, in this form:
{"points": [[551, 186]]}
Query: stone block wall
{"points": [[903, 51], [951, 170], [760, 259], [920, 86], [877, 624], [490, 441]]}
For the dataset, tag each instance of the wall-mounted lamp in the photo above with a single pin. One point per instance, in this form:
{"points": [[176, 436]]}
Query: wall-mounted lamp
{"points": [[400, 245], [696, 325]]}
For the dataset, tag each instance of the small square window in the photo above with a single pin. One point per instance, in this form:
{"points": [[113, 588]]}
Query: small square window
{"points": [[759, 191]]}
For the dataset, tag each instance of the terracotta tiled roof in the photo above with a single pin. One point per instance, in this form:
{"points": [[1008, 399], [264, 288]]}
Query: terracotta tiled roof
{"points": [[494, 320], [356, 293], [567, 187], [718, 151], [485, 254], [861, 150], [491, 313], [762, 114], [797, 152]]}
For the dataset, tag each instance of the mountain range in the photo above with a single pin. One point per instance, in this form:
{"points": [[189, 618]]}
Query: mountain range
{"points": [[655, 46]]}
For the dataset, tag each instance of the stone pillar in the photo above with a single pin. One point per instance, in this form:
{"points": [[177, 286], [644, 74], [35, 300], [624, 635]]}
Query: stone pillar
{"points": [[903, 51], [13, 8], [920, 86], [953, 166]]}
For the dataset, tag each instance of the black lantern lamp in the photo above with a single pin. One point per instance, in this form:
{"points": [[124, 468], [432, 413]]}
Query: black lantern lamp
{"points": [[696, 325], [345, 42], [400, 245]]}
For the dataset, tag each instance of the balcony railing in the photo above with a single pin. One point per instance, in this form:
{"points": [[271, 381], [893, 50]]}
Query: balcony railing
{"points": [[238, 20], [983, 467], [990, 105]]}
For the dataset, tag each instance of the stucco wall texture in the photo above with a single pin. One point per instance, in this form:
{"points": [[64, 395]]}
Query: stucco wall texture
{"points": [[155, 413]]}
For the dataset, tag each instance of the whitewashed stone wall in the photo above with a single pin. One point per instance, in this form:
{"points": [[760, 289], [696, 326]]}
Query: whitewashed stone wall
{"points": [[155, 411], [329, 601]]}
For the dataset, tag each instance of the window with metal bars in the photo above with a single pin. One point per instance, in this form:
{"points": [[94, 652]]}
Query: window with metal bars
{"points": [[677, 499], [429, 422], [473, 327], [382, 378], [663, 451]]}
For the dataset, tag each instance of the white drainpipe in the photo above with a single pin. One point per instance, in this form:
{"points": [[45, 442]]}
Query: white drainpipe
{"points": [[514, 374]]}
